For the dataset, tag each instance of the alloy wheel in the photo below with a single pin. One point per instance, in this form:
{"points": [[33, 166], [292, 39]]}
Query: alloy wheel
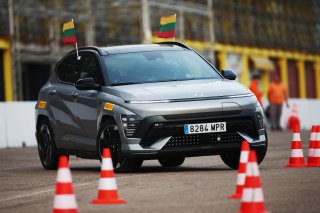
{"points": [[110, 138]]}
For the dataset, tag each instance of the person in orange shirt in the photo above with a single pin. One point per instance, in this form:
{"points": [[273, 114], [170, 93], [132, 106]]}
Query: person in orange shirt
{"points": [[254, 87], [277, 95]]}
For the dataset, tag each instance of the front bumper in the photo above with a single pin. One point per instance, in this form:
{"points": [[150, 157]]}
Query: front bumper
{"points": [[164, 135]]}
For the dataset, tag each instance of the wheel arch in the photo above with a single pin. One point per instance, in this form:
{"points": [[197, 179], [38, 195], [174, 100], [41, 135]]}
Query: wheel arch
{"points": [[41, 118]]}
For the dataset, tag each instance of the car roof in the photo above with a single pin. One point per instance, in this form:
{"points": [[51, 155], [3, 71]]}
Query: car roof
{"points": [[109, 50]]}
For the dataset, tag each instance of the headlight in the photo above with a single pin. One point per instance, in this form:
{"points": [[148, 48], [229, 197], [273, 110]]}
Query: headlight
{"points": [[130, 124]]}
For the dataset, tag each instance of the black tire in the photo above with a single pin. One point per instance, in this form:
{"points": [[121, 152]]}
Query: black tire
{"points": [[232, 159], [46, 145], [108, 137], [172, 161]]}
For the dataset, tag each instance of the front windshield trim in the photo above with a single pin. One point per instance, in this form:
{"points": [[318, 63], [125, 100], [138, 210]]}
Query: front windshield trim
{"points": [[172, 80]]}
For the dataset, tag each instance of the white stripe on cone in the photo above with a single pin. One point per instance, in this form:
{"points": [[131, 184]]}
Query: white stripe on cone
{"points": [[316, 153], [244, 156], [107, 184], [64, 175], [241, 179], [296, 137], [107, 164], [296, 153], [252, 195], [252, 169], [258, 195], [310, 152], [247, 195], [313, 136], [65, 202], [317, 136]]}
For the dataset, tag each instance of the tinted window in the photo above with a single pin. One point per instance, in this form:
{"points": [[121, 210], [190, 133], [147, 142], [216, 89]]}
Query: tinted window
{"points": [[157, 66], [69, 69], [90, 67]]}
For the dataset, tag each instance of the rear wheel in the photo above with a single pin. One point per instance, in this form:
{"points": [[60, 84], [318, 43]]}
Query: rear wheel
{"points": [[172, 161], [108, 137], [232, 159], [46, 145]]}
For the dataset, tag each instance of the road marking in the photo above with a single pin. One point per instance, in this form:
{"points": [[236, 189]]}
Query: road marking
{"points": [[42, 192], [52, 190]]}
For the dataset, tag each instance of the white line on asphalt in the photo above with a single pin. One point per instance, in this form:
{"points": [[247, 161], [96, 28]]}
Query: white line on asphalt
{"points": [[52, 190], [41, 192]]}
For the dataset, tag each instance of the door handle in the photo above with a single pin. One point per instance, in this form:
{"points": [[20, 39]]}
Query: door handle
{"points": [[75, 95], [52, 91]]}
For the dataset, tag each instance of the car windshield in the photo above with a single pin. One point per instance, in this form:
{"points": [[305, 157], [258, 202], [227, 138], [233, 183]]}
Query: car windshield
{"points": [[157, 66]]}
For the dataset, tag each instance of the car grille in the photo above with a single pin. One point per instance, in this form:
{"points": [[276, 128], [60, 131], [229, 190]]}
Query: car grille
{"points": [[204, 139]]}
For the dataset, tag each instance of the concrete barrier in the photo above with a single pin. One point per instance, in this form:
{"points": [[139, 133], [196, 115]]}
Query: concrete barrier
{"points": [[17, 124], [3, 126], [17, 120], [308, 112]]}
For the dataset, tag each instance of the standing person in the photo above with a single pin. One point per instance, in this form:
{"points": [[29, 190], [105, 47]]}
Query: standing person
{"points": [[254, 87], [277, 95]]}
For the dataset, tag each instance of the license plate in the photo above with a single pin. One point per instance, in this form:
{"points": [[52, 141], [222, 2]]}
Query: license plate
{"points": [[205, 128]]}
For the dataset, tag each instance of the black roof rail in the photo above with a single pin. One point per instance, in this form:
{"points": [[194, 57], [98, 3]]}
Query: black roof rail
{"points": [[175, 43], [88, 48]]}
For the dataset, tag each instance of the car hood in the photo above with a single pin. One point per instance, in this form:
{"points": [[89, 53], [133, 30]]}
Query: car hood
{"points": [[177, 90]]}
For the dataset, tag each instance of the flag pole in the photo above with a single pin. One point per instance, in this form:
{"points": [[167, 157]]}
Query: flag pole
{"points": [[78, 57], [174, 29]]}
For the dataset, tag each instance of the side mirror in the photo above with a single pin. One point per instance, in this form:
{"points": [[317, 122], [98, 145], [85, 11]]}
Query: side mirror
{"points": [[86, 84], [229, 74]]}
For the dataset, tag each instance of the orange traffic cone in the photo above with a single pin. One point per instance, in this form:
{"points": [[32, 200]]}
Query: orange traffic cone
{"points": [[311, 144], [315, 162], [294, 118], [244, 155], [64, 199], [296, 157], [108, 192], [252, 200]]}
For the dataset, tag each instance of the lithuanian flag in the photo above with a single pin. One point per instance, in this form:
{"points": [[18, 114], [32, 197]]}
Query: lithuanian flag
{"points": [[69, 33], [168, 26]]}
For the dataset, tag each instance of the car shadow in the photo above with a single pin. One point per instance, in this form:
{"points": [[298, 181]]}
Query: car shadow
{"points": [[158, 169]]}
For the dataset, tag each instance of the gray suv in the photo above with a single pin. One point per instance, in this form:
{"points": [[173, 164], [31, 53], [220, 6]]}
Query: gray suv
{"points": [[154, 101]]}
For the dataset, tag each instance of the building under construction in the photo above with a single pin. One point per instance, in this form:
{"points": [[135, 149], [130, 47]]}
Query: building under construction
{"points": [[267, 36]]}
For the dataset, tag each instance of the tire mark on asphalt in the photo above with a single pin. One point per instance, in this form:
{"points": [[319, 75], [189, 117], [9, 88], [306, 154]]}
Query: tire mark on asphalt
{"points": [[22, 167]]}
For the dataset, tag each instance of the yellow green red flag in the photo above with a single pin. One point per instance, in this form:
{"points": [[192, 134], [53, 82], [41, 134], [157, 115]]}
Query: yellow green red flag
{"points": [[167, 26], [69, 33]]}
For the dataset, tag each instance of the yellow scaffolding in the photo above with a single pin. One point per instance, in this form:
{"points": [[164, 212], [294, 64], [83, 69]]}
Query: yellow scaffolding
{"points": [[7, 70]]}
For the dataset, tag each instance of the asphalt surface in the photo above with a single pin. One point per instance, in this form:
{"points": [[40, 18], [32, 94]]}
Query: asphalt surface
{"points": [[202, 184]]}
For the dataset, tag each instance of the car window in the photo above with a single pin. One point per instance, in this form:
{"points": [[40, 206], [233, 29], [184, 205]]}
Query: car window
{"points": [[69, 69], [157, 66], [90, 67]]}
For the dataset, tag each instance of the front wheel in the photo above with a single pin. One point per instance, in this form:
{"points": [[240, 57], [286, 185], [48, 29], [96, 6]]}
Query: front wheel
{"points": [[46, 146], [108, 137], [172, 161], [232, 159]]}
